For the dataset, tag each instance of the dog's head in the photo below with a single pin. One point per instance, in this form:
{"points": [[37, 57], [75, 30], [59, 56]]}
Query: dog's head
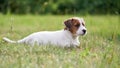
{"points": [[76, 26]]}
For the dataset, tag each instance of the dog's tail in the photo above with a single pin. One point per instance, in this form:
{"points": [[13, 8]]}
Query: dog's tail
{"points": [[8, 40], [11, 41]]}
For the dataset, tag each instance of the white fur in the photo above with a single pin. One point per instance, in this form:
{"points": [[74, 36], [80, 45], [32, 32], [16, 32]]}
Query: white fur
{"points": [[62, 38]]}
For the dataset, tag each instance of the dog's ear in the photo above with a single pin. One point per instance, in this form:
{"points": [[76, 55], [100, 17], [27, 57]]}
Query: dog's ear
{"points": [[68, 23]]}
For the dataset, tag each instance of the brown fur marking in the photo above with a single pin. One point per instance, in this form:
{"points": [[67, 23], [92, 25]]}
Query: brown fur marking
{"points": [[72, 25]]}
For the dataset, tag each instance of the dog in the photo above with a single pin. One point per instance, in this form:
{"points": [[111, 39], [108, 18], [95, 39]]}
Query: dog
{"points": [[67, 37]]}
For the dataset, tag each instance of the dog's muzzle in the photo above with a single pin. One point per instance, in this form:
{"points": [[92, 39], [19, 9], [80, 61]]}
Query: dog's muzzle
{"points": [[84, 31]]}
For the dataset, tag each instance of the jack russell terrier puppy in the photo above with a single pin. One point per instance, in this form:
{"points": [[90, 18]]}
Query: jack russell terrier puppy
{"points": [[67, 37]]}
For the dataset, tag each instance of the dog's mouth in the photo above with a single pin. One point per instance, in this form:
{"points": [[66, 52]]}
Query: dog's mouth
{"points": [[80, 34], [85, 33]]}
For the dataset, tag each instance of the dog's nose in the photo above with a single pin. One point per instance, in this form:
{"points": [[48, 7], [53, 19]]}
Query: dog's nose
{"points": [[84, 31]]}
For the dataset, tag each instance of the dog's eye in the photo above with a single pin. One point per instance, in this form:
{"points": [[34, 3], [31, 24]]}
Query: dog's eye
{"points": [[77, 25], [83, 24]]}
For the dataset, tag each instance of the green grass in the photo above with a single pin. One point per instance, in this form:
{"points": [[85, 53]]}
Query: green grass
{"points": [[100, 48]]}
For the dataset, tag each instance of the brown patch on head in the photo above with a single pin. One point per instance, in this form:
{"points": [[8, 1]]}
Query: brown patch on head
{"points": [[72, 25]]}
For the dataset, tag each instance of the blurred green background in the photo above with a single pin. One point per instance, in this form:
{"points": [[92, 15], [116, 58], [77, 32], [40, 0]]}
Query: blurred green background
{"points": [[60, 6]]}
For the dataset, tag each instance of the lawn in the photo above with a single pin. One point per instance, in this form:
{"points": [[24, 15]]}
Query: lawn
{"points": [[100, 48]]}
